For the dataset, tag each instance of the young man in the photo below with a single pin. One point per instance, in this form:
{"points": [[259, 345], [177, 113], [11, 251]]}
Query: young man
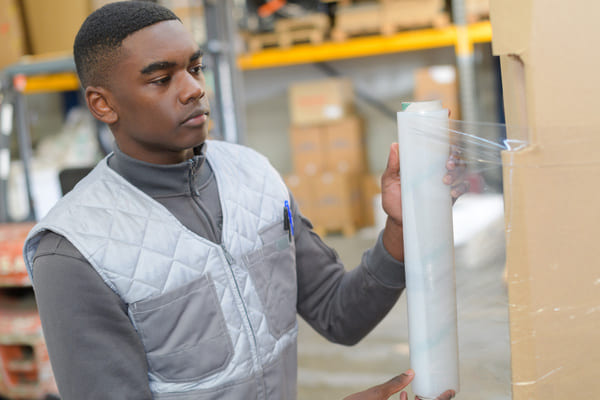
{"points": [[175, 269]]}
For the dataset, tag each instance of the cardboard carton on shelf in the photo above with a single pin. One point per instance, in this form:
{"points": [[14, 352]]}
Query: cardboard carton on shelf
{"points": [[52, 25], [438, 82], [477, 9], [302, 188], [320, 101], [338, 203], [345, 145], [370, 187], [308, 149], [12, 39], [550, 84]]}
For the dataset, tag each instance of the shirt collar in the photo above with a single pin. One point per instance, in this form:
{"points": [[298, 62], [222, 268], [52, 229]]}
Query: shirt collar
{"points": [[163, 180]]}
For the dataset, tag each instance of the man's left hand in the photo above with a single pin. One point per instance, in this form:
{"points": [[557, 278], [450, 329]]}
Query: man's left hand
{"points": [[456, 174], [394, 385]]}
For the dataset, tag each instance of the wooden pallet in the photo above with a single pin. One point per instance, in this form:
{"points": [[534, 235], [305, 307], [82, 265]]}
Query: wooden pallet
{"points": [[258, 41], [312, 28], [387, 17]]}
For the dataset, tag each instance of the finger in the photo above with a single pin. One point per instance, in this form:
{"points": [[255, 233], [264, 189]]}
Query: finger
{"points": [[456, 171], [393, 163], [403, 396], [460, 189], [447, 395], [455, 161], [455, 158], [454, 176], [397, 383]]}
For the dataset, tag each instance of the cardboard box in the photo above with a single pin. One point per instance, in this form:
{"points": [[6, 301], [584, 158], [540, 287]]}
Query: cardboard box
{"points": [[345, 146], [12, 40], [551, 87], [370, 187], [96, 4], [438, 83], [302, 188], [191, 14], [321, 101], [338, 202], [52, 25], [477, 9], [308, 149]]}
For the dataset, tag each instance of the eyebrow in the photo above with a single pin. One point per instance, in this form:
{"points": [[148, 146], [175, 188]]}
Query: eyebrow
{"points": [[197, 54], [162, 65]]}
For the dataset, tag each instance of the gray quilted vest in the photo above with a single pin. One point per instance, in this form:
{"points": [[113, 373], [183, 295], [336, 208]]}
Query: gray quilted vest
{"points": [[216, 320]]}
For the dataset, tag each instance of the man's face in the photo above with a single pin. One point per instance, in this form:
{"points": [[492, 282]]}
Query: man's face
{"points": [[158, 92]]}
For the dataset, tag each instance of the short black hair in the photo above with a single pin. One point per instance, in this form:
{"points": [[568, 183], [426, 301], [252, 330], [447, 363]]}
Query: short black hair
{"points": [[99, 39]]}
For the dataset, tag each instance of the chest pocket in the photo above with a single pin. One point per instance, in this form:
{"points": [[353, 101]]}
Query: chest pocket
{"points": [[184, 332], [272, 269]]}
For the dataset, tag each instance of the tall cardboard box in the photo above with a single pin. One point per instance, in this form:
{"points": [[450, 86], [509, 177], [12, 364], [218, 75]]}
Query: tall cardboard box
{"points": [[551, 90], [12, 40], [321, 101], [345, 145], [52, 25], [308, 149]]}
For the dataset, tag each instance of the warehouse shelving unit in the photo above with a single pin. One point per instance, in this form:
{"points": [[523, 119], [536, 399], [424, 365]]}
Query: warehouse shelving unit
{"points": [[413, 40], [59, 75]]}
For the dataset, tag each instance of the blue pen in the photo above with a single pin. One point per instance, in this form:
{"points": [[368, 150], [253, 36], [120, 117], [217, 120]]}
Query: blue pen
{"points": [[289, 214]]}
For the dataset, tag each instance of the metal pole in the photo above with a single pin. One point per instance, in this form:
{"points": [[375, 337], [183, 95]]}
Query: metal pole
{"points": [[24, 140], [6, 122], [221, 37], [465, 63]]}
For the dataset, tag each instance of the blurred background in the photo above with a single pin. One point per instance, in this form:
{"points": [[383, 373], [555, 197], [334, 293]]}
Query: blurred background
{"points": [[313, 85]]}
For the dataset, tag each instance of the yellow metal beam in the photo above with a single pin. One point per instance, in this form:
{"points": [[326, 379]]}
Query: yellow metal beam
{"points": [[363, 46], [59, 82]]}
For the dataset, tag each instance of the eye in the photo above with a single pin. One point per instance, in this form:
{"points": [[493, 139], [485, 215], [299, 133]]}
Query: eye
{"points": [[196, 69], [161, 81]]}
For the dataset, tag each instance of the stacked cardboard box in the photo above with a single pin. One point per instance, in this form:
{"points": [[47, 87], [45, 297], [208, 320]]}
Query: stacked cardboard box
{"points": [[550, 84], [329, 158], [12, 39], [438, 82], [52, 25]]}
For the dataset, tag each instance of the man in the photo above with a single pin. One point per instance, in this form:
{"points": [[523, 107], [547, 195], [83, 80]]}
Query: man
{"points": [[175, 269]]}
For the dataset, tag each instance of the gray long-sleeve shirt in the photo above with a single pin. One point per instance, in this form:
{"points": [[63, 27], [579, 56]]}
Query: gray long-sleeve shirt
{"points": [[95, 350]]}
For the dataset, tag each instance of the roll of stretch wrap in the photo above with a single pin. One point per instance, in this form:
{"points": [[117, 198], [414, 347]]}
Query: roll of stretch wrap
{"points": [[428, 248]]}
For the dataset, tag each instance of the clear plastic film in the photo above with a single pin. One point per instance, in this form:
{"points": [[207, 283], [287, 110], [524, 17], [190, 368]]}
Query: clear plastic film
{"points": [[454, 255]]}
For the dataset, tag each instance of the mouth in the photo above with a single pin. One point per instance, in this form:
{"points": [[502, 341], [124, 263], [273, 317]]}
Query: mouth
{"points": [[196, 118]]}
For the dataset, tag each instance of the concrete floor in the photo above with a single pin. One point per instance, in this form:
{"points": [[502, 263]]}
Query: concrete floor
{"points": [[330, 371]]}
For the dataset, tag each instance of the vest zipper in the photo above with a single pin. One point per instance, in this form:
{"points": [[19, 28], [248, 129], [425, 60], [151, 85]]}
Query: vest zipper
{"points": [[195, 194], [230, 262], [228, 256]]}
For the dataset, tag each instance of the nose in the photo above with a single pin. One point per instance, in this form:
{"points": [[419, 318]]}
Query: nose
{"points": [[191, 89]]}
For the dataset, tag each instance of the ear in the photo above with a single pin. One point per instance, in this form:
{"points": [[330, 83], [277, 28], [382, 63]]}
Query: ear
{"points": [[98, 101]]}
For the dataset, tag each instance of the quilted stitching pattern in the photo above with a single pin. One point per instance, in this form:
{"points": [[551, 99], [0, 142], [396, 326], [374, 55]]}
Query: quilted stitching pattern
{"points": [[115, 226]]}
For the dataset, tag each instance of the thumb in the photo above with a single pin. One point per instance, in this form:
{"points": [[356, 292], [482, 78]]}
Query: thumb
{"points": [[397, 383], [393, 163]]}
